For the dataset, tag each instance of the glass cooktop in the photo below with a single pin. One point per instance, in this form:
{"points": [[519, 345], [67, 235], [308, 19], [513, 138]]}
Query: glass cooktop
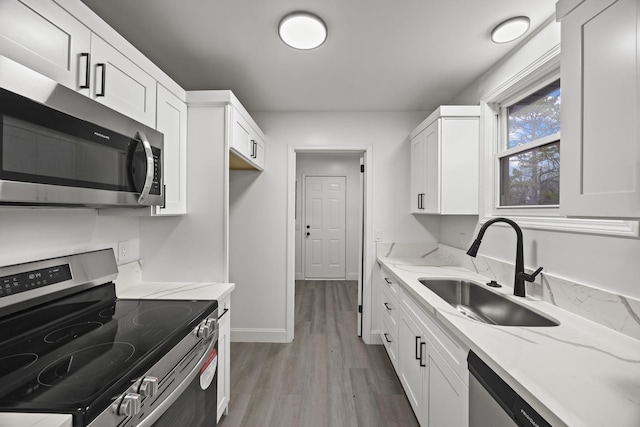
{"points": [[79, 352]]}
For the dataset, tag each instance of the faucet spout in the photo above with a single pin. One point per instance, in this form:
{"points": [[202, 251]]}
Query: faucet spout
{"points": [[520, 276]]}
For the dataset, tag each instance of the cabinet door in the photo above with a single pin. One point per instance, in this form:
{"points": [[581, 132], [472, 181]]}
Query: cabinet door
{"points": [[122, 85], [411, 360], [418, 168], [432, 168], [241, 141], [172, 122], [447, 397], [600, 146], [44, 37]]}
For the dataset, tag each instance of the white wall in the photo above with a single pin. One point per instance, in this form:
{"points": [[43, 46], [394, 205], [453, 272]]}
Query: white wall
{"points": [[259, 300], [610, 263], [33, 234], [347, 165]]}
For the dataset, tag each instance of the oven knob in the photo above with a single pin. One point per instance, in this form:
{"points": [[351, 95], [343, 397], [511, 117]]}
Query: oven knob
{"points": [[206, 328], [148, 386], [128, 405]]}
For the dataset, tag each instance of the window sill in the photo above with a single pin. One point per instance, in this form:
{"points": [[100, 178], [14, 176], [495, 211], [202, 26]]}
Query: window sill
{"points": [[605, 227]]}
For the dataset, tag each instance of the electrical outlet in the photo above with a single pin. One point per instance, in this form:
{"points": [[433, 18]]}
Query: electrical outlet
{"points": [[123, 251], [378, 235]]}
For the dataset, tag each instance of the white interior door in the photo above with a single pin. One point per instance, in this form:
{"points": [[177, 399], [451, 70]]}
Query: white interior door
{"points": [[324, 227]]}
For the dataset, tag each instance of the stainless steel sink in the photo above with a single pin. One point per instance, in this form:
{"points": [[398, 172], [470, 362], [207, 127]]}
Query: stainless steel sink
{"points": [[480, 304]]}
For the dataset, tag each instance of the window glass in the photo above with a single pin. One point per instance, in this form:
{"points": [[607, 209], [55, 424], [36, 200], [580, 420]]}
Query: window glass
{"points": [[531, 177], [534, 116]]}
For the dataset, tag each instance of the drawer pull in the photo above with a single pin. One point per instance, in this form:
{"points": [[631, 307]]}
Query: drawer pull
{"points": [[422, 353], [386, 337], [386, 304], [386, 279], [226, 310], [418, 349]]}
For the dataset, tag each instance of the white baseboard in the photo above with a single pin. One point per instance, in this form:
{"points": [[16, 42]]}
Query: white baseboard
{"points": [[258, 335], [375, 338]]}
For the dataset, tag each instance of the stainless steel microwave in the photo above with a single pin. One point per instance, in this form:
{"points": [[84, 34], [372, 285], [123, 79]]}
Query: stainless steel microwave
{"points": [[61, 148]]}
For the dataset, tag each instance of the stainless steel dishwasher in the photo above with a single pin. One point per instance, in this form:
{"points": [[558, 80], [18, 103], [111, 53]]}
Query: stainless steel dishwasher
{"points": [[492, 403]]}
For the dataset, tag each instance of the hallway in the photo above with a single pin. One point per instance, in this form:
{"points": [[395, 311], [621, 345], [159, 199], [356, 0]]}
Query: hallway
{"points": [[326, 377]]}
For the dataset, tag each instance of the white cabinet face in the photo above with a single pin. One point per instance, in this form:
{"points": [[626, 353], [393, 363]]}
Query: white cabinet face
{"points": [[121, 84], [172, 122], [246, 145], [444, 165], [46, 38], [600, 146]]}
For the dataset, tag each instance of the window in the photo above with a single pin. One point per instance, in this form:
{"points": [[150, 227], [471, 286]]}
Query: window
{"points": [[529, 155], [520, 139]]}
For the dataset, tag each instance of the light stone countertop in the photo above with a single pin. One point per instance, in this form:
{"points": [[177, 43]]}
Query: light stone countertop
{"points": [[576, 374], [8, 419], [129, 285]]}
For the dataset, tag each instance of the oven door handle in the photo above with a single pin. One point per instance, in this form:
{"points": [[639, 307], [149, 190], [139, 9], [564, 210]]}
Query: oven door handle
{"points": [[148, 181], [177, 392]]}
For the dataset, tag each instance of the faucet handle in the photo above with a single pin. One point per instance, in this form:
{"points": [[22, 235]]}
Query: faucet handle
{"points": [[530, 277]]}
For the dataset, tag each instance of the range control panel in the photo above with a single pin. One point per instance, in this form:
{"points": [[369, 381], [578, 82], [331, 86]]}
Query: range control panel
{"points": [[22, 282]]}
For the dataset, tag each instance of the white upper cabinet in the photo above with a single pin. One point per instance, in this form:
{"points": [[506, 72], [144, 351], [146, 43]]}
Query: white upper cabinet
{"points": [[246, 145], [172, 122], [43, 36], [120, 84], [46, 38], [600, 148], [444, 162]]}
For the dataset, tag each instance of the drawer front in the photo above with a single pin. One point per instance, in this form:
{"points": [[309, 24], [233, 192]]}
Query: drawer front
{"points": [[390, 341], [390, 284], [454, 352], [390, 309]]}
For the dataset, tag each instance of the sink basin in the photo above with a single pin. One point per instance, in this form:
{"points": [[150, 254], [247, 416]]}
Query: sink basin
{"points": [[479, 303]]}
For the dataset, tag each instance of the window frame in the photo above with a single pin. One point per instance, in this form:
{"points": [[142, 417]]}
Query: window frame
{"points": [[541, 72], [503, 151]]}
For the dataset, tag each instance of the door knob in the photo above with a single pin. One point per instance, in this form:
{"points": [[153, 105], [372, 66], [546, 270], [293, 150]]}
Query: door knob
{"points": [[308, 234], [308, 226]]}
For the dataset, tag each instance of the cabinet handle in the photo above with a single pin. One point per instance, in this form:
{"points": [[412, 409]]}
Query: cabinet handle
{"points": [[104, 79], [386, 304], [386, 279], [87, 70], [422, 353], [418, 349], [253, 149], [226, 310], [386, 337]]}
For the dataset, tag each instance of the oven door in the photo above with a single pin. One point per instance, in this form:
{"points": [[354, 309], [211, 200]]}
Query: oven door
{"points": [[196, 405]]}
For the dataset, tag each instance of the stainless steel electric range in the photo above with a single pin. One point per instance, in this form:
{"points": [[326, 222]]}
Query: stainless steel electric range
{"points": [[69, 346]]}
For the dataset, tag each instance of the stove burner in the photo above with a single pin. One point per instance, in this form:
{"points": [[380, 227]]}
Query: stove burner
{"points": [[108, 312], [86, 364], [71, 332], [175, 314], [10, 364]]}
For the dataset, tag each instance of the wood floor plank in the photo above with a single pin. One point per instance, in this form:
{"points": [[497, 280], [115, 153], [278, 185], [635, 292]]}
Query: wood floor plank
{"points": [[326, 377], [287, 410], [366, 404]]}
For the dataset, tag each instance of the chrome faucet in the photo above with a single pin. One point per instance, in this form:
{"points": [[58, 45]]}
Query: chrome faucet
{"points": [[520, 276]]}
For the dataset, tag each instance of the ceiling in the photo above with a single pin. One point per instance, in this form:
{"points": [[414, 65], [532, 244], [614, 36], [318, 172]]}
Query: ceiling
{"points": [[380, 55]]}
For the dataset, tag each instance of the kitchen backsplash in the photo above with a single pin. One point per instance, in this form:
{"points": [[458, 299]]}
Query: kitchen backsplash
{"points": [[614, 311]]}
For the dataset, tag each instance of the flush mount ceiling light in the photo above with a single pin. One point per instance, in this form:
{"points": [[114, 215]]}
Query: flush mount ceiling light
{"points": [[510, 29], [302, 30]]}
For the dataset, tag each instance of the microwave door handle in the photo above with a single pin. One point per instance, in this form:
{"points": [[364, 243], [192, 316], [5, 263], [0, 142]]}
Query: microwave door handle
{"points": [[146, 189]]}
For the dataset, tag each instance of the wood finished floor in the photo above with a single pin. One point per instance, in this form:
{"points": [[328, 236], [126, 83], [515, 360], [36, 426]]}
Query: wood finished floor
{"points": [[326, 377]]}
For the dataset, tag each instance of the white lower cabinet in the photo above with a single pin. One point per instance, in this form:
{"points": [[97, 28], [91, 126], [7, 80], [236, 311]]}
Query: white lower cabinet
{"points": [[431, 362], [224, 361]]}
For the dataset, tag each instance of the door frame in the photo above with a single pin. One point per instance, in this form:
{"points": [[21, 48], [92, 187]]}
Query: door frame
{"points": [[303, 218], [368, 257]]}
